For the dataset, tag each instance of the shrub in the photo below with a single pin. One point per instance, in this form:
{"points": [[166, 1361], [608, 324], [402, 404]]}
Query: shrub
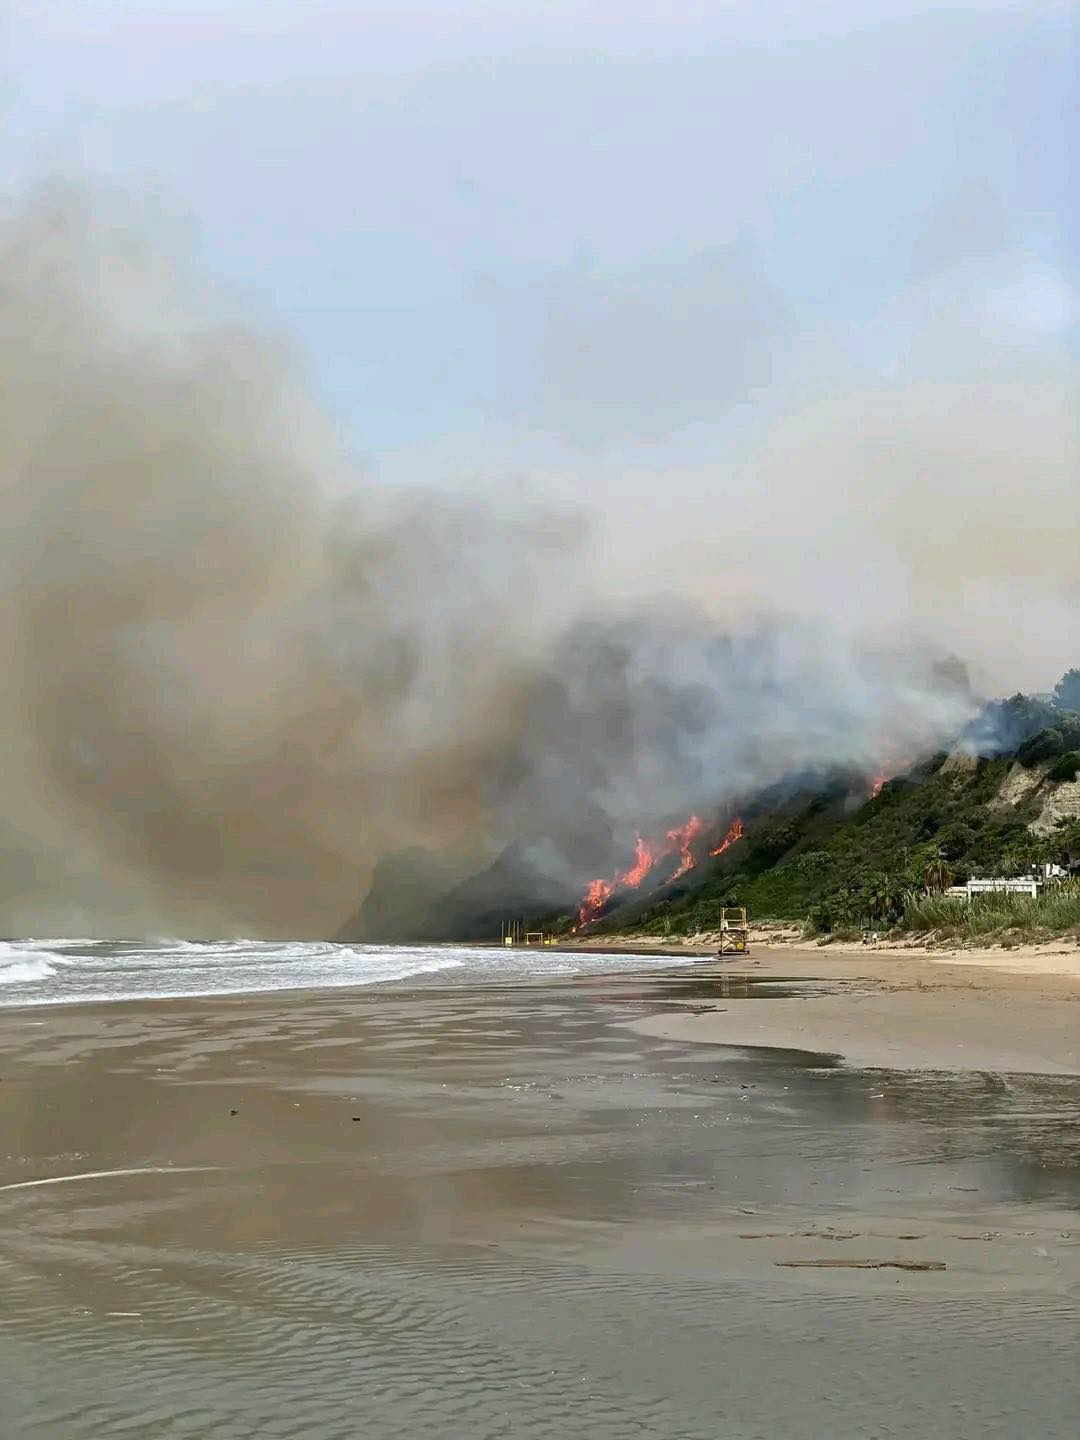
{"points": [[956, 840], [1066, 768], [1047, 745], [1067, 691], [1004, 724]]}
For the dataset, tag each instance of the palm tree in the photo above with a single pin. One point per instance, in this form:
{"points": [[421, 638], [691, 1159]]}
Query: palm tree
{"points": [[884, 899], [937, 877]]}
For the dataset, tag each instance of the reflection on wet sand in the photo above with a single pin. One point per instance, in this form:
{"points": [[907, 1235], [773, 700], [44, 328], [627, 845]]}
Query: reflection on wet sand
{"points": [[486, 1212]]}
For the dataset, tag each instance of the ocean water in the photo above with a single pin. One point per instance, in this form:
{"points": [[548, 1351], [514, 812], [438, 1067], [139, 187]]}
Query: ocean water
{"points": [[80, 971]]}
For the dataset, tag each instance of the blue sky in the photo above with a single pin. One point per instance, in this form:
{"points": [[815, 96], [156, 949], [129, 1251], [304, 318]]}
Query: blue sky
{"points": [[546, 235]]}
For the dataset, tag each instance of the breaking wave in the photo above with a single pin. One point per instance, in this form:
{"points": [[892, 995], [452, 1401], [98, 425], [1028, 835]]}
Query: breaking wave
{"points": [[74, 972], [20, 966]]}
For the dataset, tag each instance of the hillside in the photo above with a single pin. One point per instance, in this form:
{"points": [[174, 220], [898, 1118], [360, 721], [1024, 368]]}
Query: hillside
{"points": [[417, 897], [841, 861], [815, 848]]}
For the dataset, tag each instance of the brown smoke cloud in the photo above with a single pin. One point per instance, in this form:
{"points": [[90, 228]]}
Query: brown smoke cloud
{"points": [[233, 675], [238, 673]]}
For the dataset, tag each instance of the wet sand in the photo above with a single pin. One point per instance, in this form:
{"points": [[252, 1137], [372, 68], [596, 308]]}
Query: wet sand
{"points": [[898, 1010], [495, 1211]]}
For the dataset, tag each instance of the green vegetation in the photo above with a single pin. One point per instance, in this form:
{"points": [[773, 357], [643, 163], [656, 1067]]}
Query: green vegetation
{"points": [[838, 862], [1051, 744], [1067, 690], [1066, 768], [885, 863], [1056, 911]]}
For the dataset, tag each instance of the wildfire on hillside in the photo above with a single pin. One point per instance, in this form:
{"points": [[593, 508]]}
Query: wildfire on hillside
{"points": [[888, 769], [645, 857], [680, 841], [599, 892], [735, 832], [597, 895]]}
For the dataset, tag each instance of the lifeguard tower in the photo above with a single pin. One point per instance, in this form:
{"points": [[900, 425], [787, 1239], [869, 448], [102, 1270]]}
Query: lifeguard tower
{"points": [[734, 931]]}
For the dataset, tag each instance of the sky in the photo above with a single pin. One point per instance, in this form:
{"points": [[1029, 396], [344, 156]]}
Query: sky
{"points": [[647, 258], [571, 235]]}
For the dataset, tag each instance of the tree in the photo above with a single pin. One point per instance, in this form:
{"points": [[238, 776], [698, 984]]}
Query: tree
{"points": [[1067, 691], [1046, 745], [1064, 842], [937, 877], [956, 840], [884, 898], [1003, 725], [1017, 860]]}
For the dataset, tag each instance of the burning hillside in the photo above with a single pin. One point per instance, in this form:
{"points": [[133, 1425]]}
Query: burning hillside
{"points": [[660, 862], [735, 833], [828, 842]]}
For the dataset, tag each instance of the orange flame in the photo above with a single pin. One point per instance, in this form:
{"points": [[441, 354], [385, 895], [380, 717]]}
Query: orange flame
{"points": [[679, 841], [595, 898], [645, 857], [735, 832], [892, 764], [682, 839]]}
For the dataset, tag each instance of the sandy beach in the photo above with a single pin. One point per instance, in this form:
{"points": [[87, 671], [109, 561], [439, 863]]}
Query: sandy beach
{"points": [[993, 1011], [538, 1209]]}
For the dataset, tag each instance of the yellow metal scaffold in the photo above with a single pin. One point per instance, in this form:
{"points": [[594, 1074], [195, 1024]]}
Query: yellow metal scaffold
{"points": [[734, 931]]}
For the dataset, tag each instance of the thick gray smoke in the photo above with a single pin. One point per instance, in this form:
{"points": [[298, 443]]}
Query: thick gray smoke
{"points": [[238, 674], [649, 718]]}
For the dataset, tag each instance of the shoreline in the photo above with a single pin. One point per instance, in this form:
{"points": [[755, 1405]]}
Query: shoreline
{"points": [[892, 1006], [1057, 957], [884, 1007], [894, 1012]]}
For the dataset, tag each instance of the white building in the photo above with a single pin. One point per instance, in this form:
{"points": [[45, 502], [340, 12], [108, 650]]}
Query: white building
{"points": [[1013, 885]]}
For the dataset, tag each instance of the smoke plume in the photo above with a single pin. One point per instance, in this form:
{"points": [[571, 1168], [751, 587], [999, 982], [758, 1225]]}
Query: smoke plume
{"points": [[239, 672]]}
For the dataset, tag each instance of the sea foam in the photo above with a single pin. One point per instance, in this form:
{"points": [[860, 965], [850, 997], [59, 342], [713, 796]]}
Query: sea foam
{"points": [[20, 967]]}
